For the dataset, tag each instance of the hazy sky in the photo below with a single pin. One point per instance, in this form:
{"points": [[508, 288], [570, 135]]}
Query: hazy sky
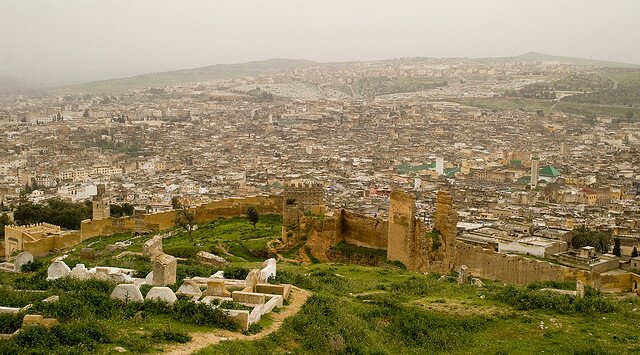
{"points": [[53, 41]]}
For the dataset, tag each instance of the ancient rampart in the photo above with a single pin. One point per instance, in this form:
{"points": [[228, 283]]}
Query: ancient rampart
{"points": [[164, 220], [363, 231]]}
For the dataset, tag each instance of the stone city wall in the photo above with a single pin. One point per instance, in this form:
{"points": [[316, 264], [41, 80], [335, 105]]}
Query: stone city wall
{"points": [[514, 269], [363, 231], [44, 245], [164, 220]]}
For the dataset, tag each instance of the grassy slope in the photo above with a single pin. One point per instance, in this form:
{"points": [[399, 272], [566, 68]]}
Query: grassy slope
{"points": [[235, 234], [386, 310], [213, 72], [355, 309]]}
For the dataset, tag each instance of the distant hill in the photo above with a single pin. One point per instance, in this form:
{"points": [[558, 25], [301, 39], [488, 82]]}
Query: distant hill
{"points": [[538, 57], [208, 73]]}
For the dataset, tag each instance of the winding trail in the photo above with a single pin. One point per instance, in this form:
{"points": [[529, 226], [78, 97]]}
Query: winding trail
{"points": [[202, 340]]}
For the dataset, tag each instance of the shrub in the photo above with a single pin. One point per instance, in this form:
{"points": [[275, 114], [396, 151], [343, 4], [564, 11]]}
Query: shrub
{"points": [[33, 266], [202, 314], [167, 334], [432, 331], [9, 323], [236, 272], [527, 299]]}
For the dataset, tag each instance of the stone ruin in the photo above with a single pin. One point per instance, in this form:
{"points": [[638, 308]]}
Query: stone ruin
{"points": [[59, 269], [299, 199], [407, 237], [253, 291], [30, 319], [22, 259], [464, 277], [212, 259], [164, 265], [163, 274]]}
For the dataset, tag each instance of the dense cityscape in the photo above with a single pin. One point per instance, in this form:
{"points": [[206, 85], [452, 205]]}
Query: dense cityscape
{"points": [[451, 198]]}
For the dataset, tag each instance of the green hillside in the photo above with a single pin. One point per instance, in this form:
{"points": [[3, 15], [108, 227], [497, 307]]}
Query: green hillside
{"points": [[212, 72]]}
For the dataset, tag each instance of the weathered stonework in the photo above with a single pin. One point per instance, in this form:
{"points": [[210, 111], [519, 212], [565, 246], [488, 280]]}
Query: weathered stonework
{"points": [[401, 243], [164, 270]]}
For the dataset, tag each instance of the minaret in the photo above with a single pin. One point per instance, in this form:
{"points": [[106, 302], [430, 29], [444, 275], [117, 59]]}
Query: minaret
{"points": [[440, 165], [100, 203], [535, 165]]}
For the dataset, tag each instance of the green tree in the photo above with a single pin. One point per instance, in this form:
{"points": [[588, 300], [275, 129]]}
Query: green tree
{"points": [[4, 221], [187, 220], [253, 215], [617, 251], [121, 210], [67, 215], [581, 237], [629, 114], [602, 242]]}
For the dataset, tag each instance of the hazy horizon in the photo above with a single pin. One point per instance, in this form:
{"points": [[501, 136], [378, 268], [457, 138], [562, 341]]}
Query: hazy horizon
{"points": [[49, 43]]}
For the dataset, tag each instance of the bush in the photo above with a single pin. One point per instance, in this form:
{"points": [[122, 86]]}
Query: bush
{"points": [[202, 314], [236, 272], [9, 323], [433, 331], [527, 299], [167, 334], [33, 266]]}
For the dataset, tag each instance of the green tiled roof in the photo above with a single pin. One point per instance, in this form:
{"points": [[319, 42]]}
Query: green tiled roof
{"points": [[525, 180], [450, 172], [550, 171]]}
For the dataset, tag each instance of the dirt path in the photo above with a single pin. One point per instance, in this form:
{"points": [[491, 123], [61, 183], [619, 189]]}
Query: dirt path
{"points": [[201, 340]]}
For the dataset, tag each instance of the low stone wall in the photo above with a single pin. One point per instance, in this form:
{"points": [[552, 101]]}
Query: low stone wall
{"points": [[514, 269], [619, 281]]}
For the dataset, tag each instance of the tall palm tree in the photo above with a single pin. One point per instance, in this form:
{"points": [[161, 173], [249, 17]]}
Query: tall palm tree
{"points": [[602, 242], [581, 237]]}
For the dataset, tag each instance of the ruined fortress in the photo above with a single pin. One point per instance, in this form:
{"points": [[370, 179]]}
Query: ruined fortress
{"points": [[316, 233], [420, 247], [405, 238]]}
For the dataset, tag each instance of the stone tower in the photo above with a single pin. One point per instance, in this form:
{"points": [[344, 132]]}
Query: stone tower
{"points": [[446, 222], [299, 199], [402, 225], [100, 203], [535, 165]]}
